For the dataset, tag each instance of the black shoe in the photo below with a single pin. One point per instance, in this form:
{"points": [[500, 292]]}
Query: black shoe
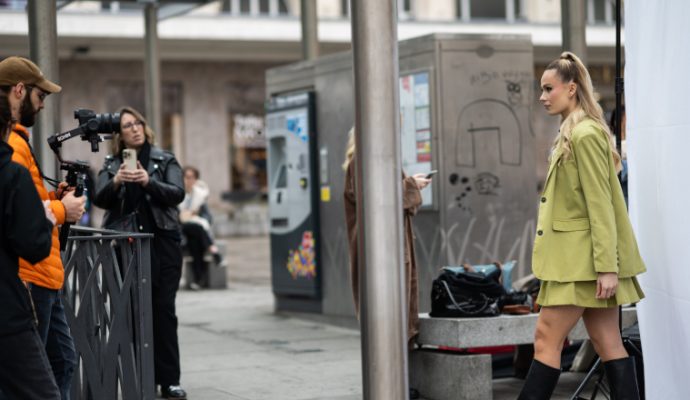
{"points": [[414, 393], [218, 259], [173, 392]]}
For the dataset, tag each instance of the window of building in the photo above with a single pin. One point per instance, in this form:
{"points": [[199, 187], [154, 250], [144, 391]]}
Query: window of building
{"points": [[248, 153], [13, 4], [264, 7], [405, 9], [345, 8], [245, 7], [508, 10], [600, 12], [257, 7], [283, 7], [488, 9]]}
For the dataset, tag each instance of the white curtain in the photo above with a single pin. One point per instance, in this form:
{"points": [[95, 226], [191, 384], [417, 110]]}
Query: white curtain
{"points": [[657, 94]]}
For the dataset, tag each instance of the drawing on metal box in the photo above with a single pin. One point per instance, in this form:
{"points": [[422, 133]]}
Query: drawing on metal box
{"points": [[487, 183], [480, 125], [459, 245], [514, 93]]}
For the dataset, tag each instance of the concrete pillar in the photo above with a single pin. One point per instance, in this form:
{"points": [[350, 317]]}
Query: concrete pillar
{"points": [[152, 68], [379, 198], [43, 51], [573, 27], [310, 30]]}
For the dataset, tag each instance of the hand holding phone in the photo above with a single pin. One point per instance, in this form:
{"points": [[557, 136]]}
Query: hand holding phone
{"points": [[129, 159], [431, 173]]}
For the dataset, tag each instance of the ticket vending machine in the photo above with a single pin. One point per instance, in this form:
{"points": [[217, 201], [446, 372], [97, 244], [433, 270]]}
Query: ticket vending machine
{"points": [[293, 201]]}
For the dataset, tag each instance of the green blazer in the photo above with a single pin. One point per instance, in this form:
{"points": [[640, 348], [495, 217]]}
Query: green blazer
{"points": [[583, 226]]}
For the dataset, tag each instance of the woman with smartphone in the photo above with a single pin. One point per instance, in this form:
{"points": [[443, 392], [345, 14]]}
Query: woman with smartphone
{"points": [[143, 182], [412, 200]]}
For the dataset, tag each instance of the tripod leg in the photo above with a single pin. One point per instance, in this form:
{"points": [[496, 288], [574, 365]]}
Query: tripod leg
{"points": [[601, 386], [581, 388]]}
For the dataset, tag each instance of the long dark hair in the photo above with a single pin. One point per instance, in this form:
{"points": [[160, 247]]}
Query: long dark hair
{"points": [[5, 116]]}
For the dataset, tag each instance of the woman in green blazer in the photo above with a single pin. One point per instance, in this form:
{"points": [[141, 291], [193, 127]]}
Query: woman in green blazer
{"points": [[585, 251]]}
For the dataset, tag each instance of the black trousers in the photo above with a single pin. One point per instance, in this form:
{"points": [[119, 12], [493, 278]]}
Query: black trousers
{"points": [[166, 270], [198, 241], [24, 369]]}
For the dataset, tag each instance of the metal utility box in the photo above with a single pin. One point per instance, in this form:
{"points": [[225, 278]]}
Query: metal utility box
{"points": [[465, 105], [293, 203]]}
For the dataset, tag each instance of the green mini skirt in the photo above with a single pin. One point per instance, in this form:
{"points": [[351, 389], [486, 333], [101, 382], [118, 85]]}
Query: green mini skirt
{"points": [[583, 294]]}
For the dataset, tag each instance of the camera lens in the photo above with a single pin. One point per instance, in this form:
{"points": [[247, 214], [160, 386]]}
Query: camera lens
{"points": [[108, 123]]}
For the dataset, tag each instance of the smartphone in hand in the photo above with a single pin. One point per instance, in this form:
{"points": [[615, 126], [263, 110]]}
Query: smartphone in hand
{"points": [[129, 159], [431, 174]]}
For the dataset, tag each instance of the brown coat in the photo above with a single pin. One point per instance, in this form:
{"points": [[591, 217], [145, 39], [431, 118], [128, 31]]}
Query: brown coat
{"points": [[412, 199]]}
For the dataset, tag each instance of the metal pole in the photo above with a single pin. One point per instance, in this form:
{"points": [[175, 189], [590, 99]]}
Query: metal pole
{"points": [[310, 27], [43, 51], [619, 82], [573, 27], [379, 196], [152, 68]]}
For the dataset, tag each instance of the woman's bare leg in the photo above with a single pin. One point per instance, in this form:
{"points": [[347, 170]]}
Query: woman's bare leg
{"points": [[553, 326], [602, 327]]}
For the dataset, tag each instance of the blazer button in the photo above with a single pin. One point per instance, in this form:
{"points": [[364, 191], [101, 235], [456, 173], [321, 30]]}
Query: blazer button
{"points": [[543, 199], [540, 232]]}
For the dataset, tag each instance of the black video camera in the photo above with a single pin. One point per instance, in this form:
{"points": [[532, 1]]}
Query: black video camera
{"points": [[91, 128]]}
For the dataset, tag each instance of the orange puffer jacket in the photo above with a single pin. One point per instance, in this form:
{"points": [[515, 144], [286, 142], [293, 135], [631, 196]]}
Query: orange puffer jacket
{"points": [[49, 272]]}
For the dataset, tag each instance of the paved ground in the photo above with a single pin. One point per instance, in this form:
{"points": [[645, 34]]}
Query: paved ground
{"points": [[234, 347]]}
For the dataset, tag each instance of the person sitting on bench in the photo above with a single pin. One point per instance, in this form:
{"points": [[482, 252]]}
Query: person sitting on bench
{"points": [[196, 224]]}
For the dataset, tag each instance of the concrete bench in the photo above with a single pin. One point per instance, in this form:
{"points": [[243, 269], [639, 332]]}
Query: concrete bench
{"points": [[444, 375], [216, 276]]}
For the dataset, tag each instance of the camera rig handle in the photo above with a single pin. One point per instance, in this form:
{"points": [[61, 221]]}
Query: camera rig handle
{"points": [[55, 141], [76, 177]]}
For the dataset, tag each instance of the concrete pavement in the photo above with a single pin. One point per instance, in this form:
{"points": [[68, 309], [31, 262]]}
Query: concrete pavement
{"points": [[233, 347]]}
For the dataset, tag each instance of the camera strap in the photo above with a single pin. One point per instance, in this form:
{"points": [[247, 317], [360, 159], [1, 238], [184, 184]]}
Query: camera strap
{"points": [[53, 182]]}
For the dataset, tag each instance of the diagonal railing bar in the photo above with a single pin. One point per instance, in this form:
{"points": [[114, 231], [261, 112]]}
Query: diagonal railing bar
{"points": [[107, 298]]}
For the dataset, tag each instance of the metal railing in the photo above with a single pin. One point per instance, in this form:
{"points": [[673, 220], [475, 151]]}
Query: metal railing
{"points": [[107, 300]]}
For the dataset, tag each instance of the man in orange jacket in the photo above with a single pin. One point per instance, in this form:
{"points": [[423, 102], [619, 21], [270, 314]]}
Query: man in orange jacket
{"points": [[26, 89]]}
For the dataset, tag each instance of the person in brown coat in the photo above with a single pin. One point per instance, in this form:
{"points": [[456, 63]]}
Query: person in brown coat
{"points": [[412, 200]]}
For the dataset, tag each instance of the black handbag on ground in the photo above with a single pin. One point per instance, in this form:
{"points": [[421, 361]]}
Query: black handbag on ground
{"points": [[458, 293]]}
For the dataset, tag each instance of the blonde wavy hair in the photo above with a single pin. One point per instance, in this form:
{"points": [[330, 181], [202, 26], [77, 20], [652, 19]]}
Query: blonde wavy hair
{"points": [[570, 68], [349, 149], [117, 144]]}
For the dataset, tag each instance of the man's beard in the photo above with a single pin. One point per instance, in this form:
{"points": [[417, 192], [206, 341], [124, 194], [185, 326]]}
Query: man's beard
{"points": [[27, 113]]}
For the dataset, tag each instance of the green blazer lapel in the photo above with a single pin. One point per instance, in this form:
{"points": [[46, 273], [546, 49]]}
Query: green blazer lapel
{"points": [[552, 166]]}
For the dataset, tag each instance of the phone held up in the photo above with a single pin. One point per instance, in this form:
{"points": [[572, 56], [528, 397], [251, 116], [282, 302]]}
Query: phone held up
{"points": [[431, 173], [129, 159]]}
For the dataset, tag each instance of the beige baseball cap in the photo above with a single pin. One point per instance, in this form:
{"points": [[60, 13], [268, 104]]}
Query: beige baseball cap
{"points": [[19, 69]]}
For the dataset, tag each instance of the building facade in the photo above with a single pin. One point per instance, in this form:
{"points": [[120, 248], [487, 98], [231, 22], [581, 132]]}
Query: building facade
{"points": [[214, 57]]}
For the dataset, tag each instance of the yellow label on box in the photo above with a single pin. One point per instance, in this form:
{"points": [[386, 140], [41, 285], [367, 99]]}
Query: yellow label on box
{"points": [[325, 194]]}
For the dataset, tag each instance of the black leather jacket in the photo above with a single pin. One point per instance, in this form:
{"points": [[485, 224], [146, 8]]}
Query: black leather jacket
{"points": [[164, 191]]}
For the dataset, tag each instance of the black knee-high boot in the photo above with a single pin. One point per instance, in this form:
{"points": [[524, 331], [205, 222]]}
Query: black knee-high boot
{"points": [[540, 382], [622, 379]]}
